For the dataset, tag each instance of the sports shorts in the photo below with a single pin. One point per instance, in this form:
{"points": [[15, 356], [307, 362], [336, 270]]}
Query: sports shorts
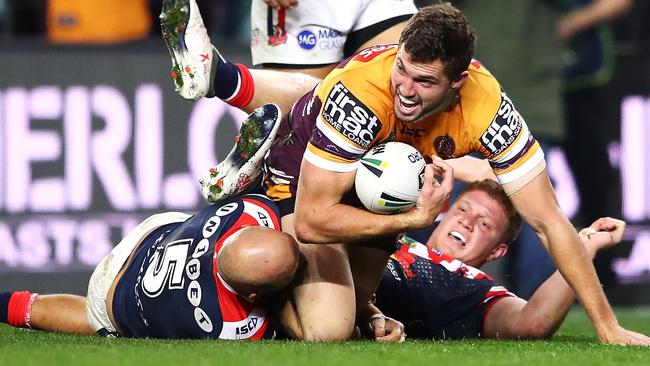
{"points": [[320, 32], [107, 270]]}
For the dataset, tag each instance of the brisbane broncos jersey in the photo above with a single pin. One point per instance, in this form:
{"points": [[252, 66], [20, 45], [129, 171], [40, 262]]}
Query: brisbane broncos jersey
{"points": [[172, 287], [434, 295], [351, 110]]}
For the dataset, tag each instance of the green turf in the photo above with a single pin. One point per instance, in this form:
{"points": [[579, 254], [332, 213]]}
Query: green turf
{"points": [[574, 344]]}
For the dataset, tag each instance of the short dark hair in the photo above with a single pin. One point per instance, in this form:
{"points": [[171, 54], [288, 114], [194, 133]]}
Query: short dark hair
{"points": [[440, 32], [496, 192]]}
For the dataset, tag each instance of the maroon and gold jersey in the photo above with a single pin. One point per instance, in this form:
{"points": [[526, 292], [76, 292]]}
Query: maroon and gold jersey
{"points": [[351, 110]]}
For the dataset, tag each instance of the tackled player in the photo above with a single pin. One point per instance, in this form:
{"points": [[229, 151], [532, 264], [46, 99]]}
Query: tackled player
{"points": [[428, 92]]}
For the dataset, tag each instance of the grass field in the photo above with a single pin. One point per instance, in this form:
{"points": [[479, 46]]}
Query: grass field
{"points": [[574, 344]]}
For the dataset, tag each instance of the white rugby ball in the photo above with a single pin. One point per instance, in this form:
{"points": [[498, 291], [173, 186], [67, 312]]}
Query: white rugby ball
{"points": [[389, 177]]}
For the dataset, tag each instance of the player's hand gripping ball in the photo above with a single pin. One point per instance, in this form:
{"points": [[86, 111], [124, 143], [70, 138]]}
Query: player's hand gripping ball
{"points": [[389, 178]]}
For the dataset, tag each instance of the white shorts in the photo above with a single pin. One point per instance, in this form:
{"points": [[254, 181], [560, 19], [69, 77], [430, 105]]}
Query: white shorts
{"points": [[106, 271], [315, 32]]}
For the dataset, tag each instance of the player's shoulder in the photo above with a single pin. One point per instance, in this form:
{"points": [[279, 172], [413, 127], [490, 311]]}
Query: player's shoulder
{"points": [[365, 74], [481, 98], [481, 80]]}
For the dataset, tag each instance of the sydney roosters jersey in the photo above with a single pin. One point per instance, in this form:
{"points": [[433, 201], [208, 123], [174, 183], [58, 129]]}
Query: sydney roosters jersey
{"points": [[172, 287], [351, 110], [434, 295]]}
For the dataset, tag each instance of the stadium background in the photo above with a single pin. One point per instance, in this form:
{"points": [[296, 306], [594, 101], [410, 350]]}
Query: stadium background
{"points": [[93, 139]]}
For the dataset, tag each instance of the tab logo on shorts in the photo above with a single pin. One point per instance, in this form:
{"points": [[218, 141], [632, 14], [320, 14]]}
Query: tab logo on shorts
{"points": [[504, 129], [350, 117]]}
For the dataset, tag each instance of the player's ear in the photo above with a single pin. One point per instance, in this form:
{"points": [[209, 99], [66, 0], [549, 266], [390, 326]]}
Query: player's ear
{"points": [[252, 297], [456, 84], [498, 252]]}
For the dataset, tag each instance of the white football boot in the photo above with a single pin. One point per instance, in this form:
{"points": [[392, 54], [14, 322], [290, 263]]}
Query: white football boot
{"points": [[193, 63], [243, 165]]}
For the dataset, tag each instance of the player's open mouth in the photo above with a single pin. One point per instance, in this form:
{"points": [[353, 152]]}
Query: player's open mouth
{"points": [[406, 105], [457, 238]]}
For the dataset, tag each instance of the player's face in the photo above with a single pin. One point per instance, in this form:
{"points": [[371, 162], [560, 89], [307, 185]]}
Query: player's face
{"points": [[472, 228], [418, 88]]}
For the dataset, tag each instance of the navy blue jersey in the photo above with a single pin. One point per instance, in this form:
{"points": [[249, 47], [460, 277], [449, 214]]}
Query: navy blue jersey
{"points": [[434, 295], [172, 289]]}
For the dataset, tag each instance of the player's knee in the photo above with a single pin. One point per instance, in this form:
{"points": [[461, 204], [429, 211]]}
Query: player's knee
{"points": [[328, 333], [329, 329], [532, 328]]}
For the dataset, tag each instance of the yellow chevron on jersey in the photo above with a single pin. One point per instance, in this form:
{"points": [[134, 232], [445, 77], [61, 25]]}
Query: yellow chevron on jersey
{"points": [[357, 113]]}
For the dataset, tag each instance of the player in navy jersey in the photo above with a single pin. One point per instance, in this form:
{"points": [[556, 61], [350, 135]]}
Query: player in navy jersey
{"points": [[438, 292], [209, 275], [177, 276]]}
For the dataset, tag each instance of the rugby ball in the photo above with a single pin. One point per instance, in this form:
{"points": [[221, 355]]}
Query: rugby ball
{"points": [[389, 177]]}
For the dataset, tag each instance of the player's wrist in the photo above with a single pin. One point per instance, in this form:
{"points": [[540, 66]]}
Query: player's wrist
{"points": [[413, 220], [604, 321]]}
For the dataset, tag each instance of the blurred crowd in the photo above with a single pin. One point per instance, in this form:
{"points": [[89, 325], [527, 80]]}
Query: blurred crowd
{"points": [[116, 21], [112, 22]]}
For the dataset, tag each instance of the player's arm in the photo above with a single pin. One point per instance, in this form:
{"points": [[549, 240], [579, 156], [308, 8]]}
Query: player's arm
{"points": [[537, 205], [543, 314], [590, 15], [322, 218], [470, 169]]}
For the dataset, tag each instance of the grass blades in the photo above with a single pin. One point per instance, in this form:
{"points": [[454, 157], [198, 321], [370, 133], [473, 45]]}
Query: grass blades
{"points": [[574, 344]]}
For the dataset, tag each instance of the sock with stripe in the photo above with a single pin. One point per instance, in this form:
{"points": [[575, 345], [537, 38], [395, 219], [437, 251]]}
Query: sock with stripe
{"points": [[233, 83], [16, 308]]}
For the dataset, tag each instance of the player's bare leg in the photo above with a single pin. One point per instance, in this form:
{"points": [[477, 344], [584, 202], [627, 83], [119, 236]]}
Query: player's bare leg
{"points": [[315, 73], [61, 313], [322, 305], [280, 87], [367, 266], [54, 313]]}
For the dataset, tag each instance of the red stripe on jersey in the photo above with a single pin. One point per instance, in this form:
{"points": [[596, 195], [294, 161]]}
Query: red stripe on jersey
{"points": [[269, 210], [405, 259], [487, 310], [491, 293], [370, 53], [260, 333], [233, 307]]}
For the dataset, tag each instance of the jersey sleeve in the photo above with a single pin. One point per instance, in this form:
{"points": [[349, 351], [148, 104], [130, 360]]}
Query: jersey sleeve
{"points": [[353, 115], [502, 136]]}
